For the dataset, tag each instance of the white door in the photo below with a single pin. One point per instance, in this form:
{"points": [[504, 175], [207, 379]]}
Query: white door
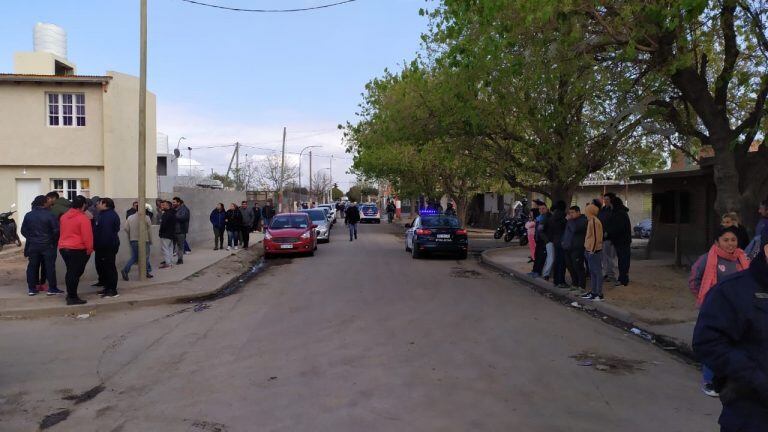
{"points": [[26, 191]]}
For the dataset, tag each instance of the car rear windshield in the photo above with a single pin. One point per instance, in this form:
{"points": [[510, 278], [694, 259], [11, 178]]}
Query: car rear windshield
{"points": [[315, 215], [281, 222], [368, 208], [440, 221]]}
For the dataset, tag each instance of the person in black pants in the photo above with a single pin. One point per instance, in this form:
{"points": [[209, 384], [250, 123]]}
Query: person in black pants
{"points": [[247, 224], [75, 245], [620, 232], [106, 244], [557, 228], [573, 247], [41, 229]]}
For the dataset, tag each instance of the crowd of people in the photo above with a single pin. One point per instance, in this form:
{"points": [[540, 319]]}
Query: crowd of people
{"points": [[591, 243], [239, 223], [83, 227]]}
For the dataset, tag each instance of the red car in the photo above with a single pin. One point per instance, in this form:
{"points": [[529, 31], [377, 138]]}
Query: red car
{"points": [[290, 233]]}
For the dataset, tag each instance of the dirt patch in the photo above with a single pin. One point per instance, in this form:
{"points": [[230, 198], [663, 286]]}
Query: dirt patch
{"points": [[209, 426], [460, 272], [54, 419], [86, 395], [608, 363]]}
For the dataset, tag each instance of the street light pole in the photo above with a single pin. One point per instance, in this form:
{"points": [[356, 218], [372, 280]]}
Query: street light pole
{"points": [[142, 185], [301, 153]]}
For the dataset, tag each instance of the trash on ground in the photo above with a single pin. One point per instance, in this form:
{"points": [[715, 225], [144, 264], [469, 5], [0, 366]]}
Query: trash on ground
{"points": [[584, 363], [603, 368], [84, 316], [576, 305], [608, 363], [201, 307], [645, 335]]}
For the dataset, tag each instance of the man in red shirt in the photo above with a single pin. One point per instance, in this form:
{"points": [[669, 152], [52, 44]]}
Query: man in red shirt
{"points": [[75, 245]]}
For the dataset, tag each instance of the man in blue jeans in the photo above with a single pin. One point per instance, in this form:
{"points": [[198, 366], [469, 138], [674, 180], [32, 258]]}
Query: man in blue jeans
{"points": [[351, 218], [41, 229], [132, 231]]}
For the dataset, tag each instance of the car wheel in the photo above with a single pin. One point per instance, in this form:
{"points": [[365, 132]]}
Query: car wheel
{"points": [[312, 253], [415, 254], [463, 255]]}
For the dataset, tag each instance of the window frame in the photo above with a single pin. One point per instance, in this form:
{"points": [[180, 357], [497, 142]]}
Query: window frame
{"points": [[66, 191], [75, 105]]}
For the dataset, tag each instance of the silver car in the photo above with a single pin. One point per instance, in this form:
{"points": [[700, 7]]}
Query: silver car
{"points": [[320, 219]]}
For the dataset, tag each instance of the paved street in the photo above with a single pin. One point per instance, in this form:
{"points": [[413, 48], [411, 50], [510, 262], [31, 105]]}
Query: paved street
{"points": [[358, 338]]}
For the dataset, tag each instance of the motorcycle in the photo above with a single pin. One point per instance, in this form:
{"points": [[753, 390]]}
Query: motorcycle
{"points": [[8, 234], [8, 228], [509, 228]]}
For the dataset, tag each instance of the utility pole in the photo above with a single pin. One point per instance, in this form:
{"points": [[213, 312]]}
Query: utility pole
{"points": [[237, 165], [142, 198], [310, 176], [282, 176], [330, 189]]}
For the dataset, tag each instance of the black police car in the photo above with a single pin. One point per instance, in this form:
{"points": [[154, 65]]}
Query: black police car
{"points": [[433, 232]]}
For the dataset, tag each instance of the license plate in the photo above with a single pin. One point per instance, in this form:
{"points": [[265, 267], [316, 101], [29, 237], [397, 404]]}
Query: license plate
{"points": [[443, 236], [286, 246], [444, 240]]}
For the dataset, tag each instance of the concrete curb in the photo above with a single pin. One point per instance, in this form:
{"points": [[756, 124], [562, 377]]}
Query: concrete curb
{"points": [[120, 304], [626, 318]]}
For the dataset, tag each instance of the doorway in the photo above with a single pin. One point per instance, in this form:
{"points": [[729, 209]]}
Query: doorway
{"points": [[26, 191]]}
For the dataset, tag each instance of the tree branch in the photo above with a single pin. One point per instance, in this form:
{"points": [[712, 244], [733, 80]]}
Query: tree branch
{"points": [[730, 53]]}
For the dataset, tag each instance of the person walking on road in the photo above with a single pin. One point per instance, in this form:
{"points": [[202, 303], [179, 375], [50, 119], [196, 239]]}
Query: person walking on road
{"points": [[390, 211], [167, 233], [41, 230], [106, 244], [593, 252], [132, 231], [182, 228], [609, 253], [730, 338], [75, 245], [724, 258], [619, 231], [234, 223], [247, 223], [218, 221], [573, 247], [351, 218]]}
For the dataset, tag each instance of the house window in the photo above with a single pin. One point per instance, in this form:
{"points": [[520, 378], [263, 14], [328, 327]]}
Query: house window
{"points": [[70, 188], [66, 109], [162, 166]]}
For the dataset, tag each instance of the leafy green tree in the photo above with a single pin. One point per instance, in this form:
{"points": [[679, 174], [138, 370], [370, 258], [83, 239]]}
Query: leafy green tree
{"points": [[226, 181], [354, 193], [712, 56], [336, 193]]}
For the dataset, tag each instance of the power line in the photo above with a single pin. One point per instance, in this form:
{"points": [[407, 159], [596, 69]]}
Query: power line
{"points": [[234, 9]]}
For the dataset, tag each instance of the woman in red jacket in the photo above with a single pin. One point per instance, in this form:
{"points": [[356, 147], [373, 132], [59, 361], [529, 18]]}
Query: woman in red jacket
{"points": [[75, 245]]}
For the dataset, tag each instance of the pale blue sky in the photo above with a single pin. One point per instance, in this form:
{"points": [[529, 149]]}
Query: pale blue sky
{"points": [[223, 76]]}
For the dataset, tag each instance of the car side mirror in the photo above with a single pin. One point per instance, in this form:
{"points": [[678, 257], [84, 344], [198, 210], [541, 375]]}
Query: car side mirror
{"points": [[408, 225]]}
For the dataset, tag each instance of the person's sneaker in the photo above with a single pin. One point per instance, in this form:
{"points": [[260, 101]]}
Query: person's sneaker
{"points": [[229, 248], [71, 301], [124, 274], [607, 278], [216, 248], [113, 294], [237, 247], [564, 286], [709, 390], [164, 266], [617, 283], [54, 291], [31, 293], [149, 276], [546, 278], [588, 296], [179, 262], [101, 292], [187, 252], [97, 284], [598, 298]]}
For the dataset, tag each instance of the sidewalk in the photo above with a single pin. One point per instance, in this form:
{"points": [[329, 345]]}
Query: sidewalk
{"points": [[657, 300], [204, 272]]}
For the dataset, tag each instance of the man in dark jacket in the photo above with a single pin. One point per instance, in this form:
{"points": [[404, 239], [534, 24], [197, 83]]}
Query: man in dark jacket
{"points": [[573, 247], [57, 204], [41, 230], [351, 218], [247, 224], [182, 227], [106, 243], [267, 213], [619, 231], [730, 338], [133, 210], [556, 230], [609, 253], [167, 233], [543, 243]]}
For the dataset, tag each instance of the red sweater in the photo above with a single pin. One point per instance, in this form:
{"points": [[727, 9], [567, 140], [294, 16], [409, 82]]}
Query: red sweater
{"points": [[76, 231]]}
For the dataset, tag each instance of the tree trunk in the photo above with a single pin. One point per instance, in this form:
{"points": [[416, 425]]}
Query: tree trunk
{"points": [[562, 192], [462, 208], [726, 176]]}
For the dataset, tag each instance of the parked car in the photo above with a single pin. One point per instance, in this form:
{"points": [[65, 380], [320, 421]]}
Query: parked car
{"points": [[437, 233], [369, 213], [290, 233], [319, 218], [643, 229], [332, 209], [327, 213]]}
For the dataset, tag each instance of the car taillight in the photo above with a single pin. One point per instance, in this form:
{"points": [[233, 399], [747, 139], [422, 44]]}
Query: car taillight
{"points": [[423, 232], [461, 232], [306, 235]]}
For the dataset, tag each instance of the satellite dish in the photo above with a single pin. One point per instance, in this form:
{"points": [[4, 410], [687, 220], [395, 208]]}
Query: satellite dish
{"points": [[176, 153]]}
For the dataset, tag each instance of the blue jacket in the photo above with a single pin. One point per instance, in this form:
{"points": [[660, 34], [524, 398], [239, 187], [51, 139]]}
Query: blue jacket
{"points": [[217, 218], [731, 338], [41, 229], [106, 229]]}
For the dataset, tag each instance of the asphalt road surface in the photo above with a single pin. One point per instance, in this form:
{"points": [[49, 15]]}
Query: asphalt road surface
{"points": [[360, 337]]}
